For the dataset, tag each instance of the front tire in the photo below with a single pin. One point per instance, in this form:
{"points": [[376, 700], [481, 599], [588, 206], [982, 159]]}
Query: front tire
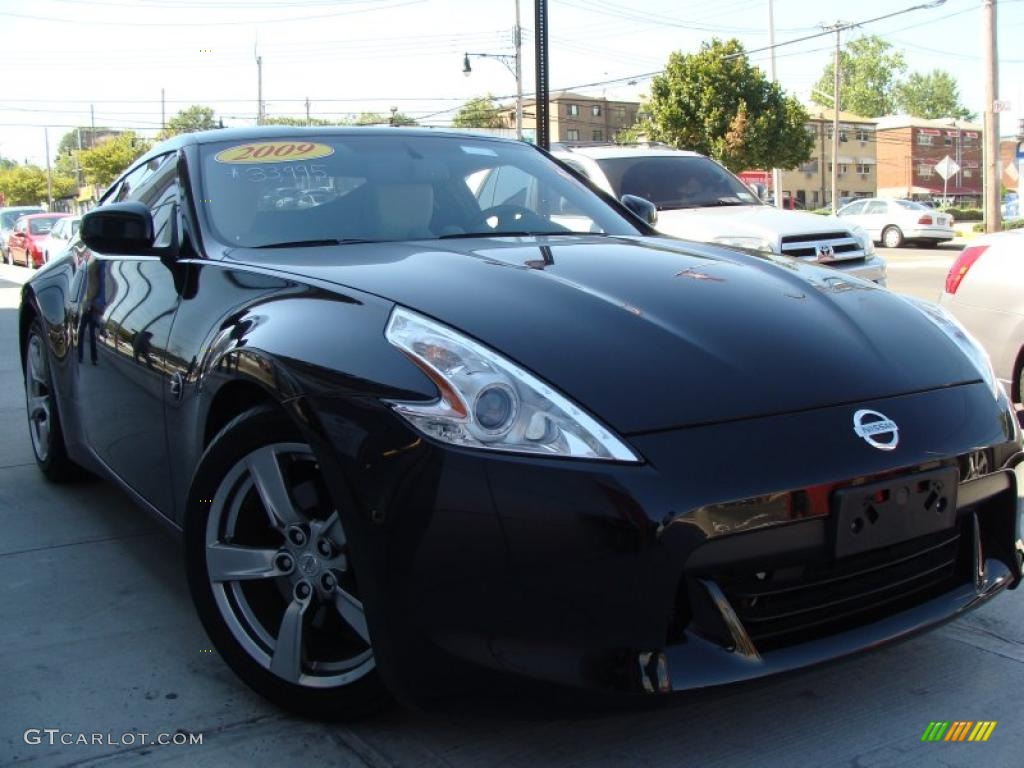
{"points": [[268, 567], [44, 424], [892, 237]]}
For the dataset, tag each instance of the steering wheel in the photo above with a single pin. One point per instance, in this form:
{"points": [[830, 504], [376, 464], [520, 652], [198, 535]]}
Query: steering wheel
{"points": [[511, 218]]}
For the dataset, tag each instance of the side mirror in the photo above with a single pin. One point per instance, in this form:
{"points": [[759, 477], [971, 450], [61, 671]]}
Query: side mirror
{"points": [[118, 228], [642, 208]]}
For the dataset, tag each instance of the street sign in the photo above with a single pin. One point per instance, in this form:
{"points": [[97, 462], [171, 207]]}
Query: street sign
{"points": [[946, 167], [1002, 106]]}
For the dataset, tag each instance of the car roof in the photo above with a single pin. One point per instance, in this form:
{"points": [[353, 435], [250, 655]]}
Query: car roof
{"points": [[270, 132], [10, 208], [52, 214], [601, 153]]}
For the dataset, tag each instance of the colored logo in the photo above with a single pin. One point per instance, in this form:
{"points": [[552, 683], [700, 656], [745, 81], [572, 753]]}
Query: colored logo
{"points": [[871, 425], [959, 730], [273, 152]]}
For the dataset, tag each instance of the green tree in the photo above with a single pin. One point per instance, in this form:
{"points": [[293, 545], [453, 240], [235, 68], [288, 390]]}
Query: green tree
{"points": [[65, 162], [189, 120], [104, 162], [376, 118], [870, 72], [717, 103], [6, 162], [480, 112], [932, 95], [26, 185]]}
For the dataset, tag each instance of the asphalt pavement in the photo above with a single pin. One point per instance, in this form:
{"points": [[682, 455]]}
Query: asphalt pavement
{"points": [[98, 636]]}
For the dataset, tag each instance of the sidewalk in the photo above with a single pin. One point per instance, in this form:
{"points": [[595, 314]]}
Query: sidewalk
{"points": [[13, 274]]}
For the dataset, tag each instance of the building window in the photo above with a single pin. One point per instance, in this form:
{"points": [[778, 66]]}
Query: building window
{"points": [[598, 135], [863, 169], [620, 114], [812, 130], [842, 135], [843, 169], [924, 140], [814, 196], [924, 170], [828, 131], [811, 166], [862, 135], [572, 134], [573, 110], [968, 174], [595, 110]]}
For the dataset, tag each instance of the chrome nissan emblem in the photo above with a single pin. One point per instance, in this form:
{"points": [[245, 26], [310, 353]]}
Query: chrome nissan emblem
{"points": [[872, 425], [824, 251], [309, 564]]}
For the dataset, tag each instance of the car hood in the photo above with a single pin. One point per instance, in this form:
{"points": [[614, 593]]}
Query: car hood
{"points": [[651, 333], [764, 221]]}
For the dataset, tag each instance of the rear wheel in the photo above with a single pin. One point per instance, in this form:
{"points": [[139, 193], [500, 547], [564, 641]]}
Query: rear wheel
{"points": [[269, 569], [892, 237], [43, 417]]}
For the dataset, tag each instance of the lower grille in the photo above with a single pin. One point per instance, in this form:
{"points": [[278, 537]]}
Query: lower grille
{"points": [[794, 604]]}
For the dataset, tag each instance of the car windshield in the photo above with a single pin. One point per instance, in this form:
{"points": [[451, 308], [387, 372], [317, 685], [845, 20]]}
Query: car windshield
{"points": [[42, 226], [370, 188], [684, 181], [7, 218]]}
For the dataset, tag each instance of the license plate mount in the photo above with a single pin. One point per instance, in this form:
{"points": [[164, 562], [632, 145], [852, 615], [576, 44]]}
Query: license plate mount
{"points": [[876, 515]]}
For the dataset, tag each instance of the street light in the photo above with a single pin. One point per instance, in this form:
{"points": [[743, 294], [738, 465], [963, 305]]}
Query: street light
{"points": [[513, 63]]}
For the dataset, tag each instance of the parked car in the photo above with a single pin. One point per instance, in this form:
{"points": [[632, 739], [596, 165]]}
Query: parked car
{"points": [[63, 232], [895, 222], [470, 413], [698, 199], [985, 291], [7, 218], [24, 244]]}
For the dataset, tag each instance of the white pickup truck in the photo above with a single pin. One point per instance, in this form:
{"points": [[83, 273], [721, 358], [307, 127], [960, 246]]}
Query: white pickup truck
{"points": [[698, 199]]}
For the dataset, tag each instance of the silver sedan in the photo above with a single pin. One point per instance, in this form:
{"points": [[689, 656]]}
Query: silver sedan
{"points": [[985, 291], [894, 222]]}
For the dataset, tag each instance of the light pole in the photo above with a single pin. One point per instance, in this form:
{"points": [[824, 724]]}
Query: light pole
{"points": [[514, 64], [776, 173]]}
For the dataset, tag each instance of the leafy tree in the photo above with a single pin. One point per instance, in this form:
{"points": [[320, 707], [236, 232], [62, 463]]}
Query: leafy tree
{"points": [[717, 103], [189, 120], [69, 144], [932, 95], [6, 162], [26, 185], [870, 72], [104, 162], [376, 118], [479, 112]]}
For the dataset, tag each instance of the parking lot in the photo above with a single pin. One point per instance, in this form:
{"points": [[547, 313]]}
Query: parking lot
{"points": [[99, 636]]}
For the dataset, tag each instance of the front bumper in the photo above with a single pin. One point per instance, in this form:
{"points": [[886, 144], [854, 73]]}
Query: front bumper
{"points": [[609, 577], [938, 234], [870, 268]]}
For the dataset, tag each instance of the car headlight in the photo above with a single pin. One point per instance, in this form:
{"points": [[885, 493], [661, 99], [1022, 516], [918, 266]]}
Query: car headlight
{"points": [[753, 243], [867, 243], [489, 402], [967, 343]]}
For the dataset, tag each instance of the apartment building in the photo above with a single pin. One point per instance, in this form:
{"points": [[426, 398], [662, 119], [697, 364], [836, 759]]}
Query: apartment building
{"points": [[811, 183], [909, 148], [579, 119]]}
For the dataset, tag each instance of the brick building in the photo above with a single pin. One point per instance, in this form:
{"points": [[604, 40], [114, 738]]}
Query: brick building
{"points": [[910, 147], [575, 118]]}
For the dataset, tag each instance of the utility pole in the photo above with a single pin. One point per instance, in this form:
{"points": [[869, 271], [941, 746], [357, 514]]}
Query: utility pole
{"points": [[990, 64], [92, 122], [776, 173], [49, 179], [837, 28], [540, 44], [518, 42], [163, 110], [307, 112], [259, 89]]}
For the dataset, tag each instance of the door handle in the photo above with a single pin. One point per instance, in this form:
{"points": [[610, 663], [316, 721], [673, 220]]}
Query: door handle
{"points": [[177, 386]]}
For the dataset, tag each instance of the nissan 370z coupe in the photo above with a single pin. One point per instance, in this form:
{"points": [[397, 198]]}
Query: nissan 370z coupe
{"points": [[420, 401]]}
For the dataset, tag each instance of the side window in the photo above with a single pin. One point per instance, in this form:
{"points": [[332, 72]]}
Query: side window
{"points": [[159, 193], [853, 209], [506, 185], [125, 189], [876, 206]]}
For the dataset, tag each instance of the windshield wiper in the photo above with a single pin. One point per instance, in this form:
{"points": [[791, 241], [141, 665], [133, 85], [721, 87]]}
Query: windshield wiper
{"points": [[312, 243]]}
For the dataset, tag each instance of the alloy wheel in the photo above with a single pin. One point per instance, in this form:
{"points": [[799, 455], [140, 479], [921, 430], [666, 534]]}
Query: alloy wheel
{"points": [[39, 397], [278, 566]]}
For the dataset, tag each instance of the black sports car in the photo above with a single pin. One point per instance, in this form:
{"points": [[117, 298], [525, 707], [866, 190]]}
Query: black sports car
{"points": [[420, 401]]}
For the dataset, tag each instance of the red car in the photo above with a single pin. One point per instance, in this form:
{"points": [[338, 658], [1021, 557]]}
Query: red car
{"points": [[23, 245]]}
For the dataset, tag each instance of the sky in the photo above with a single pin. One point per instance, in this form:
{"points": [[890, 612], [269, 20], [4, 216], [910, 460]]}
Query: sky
{"points": [[351, 56]]}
